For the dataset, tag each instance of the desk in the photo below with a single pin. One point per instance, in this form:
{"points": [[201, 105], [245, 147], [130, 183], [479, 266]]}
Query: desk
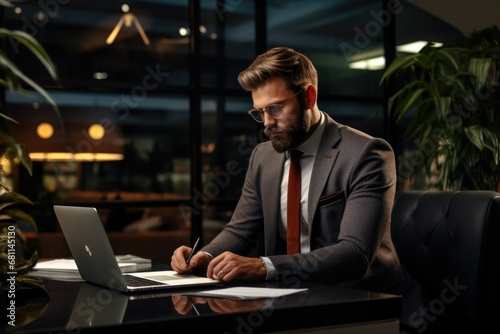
{"points": [[322, 309]]}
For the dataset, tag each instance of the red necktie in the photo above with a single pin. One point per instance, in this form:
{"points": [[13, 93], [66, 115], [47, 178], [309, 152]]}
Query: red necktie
{"points": [[293, 204]]}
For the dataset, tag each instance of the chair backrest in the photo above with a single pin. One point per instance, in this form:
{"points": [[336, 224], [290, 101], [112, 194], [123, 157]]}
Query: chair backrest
{"points": [[449, 242]]}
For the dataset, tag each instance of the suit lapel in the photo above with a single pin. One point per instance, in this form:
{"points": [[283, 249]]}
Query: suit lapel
{"points": [[323, 164], [271, 198]]}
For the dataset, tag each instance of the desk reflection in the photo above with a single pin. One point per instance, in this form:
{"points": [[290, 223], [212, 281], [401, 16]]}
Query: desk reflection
{"points": [[184, 304], [97, 306], [77, 307]]}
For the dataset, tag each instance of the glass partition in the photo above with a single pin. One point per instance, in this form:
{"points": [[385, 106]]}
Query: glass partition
{"points": [[107, 44], [152, 140], [227, 41]]}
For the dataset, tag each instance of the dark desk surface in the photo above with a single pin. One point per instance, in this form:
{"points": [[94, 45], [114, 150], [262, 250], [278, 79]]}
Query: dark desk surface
{"points": [[70, 306]]}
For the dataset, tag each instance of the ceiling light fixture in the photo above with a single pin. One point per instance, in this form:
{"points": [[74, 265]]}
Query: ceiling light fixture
{"points": [[128, 19], [374, 59], [371, 64]]}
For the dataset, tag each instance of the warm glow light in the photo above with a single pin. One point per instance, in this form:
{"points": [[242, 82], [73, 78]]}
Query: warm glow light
{"points": [[76, 157], [40, 16], [98, 156], [185, 31], [84, 156], [211, 148], [208, 148], [51, 156], [45, 130], [96, 131], [7, 166], [128, 19]]}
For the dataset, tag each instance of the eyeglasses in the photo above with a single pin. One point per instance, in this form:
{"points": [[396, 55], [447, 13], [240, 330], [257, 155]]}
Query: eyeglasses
{"points": [[274, 110]]}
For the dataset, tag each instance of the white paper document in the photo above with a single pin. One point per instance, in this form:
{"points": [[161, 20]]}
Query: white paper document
{"points": [[246, 292], [67, 270], [68, 265]]}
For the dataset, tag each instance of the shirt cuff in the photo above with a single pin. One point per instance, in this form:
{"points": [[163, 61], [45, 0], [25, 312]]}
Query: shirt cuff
{"points": [[271, 270], [209, 255]]}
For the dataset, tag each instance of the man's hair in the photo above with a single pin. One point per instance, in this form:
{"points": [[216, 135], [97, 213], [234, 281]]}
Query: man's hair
{"points": [[295, 68]]}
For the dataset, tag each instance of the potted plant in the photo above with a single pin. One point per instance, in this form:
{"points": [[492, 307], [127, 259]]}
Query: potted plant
{"points": [[449, 99], [16, 259]]}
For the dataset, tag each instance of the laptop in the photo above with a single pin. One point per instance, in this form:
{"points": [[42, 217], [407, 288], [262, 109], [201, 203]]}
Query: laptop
{"points": [[90, 247]]}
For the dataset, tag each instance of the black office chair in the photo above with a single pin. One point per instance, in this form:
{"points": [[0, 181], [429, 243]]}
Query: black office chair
{"points": [[449, 244]]}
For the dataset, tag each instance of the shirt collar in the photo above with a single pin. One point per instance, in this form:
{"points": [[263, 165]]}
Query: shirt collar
{"points": [[311, 145]]}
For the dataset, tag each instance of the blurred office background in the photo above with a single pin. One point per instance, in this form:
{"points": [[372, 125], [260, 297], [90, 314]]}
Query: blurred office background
{"points": [[157, 80]]}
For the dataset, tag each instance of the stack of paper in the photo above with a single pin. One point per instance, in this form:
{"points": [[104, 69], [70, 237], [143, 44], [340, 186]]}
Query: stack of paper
{"points": [[67, 270], [139, 262]]}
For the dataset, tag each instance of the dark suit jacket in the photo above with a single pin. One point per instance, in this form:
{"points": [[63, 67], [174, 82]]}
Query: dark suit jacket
{"points": [[350, 202]]}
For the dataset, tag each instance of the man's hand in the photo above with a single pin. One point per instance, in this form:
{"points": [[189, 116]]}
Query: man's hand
{"points": [[184, 304], [229, 266], [220, 305], [178, 261]]}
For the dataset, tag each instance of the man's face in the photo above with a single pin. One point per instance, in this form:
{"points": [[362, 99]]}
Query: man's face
{"points": [[290, 129]]}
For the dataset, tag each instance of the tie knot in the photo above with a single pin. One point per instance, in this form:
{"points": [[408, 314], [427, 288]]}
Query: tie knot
{"points": [[295, 154]]}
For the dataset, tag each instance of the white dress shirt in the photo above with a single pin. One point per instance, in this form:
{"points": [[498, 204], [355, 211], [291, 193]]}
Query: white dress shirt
{"points": [[310, 149]]}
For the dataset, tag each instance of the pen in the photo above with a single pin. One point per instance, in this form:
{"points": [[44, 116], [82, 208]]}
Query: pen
{"points": [[193, 250], [195, 309]]}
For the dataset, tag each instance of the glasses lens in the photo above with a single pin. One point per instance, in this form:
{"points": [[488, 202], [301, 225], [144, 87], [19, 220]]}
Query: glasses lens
{"points": [[274, 110], [256, 114]]}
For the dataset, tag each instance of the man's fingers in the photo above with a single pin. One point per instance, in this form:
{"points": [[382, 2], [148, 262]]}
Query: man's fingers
{"points": [[198, 260], [178, 261]]}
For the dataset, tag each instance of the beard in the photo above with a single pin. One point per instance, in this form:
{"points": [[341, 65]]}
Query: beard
{"points": [[284, 139]]}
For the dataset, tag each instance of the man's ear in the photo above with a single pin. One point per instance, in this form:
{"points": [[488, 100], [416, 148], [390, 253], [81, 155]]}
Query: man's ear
{"points": [[311, 95]]}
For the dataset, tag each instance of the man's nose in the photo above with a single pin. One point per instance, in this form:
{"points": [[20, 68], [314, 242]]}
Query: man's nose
{"points": [[268, 120]]}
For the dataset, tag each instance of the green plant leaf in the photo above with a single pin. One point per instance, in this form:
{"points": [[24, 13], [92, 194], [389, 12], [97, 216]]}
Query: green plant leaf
{"points": [[492, 143], [6, 3], [24, 157], [457, 83], [480, 69], [23, 266], [397, 65], [442, 106], [475, 135], [21, 216], [10, 119], [409, 102], [12, 74], [17, 72], [15, 152], [33, 46], [13, 197], [450, 56]]}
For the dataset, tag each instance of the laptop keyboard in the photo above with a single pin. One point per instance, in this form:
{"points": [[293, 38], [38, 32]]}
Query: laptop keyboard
{"points": [[139, 281]]}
